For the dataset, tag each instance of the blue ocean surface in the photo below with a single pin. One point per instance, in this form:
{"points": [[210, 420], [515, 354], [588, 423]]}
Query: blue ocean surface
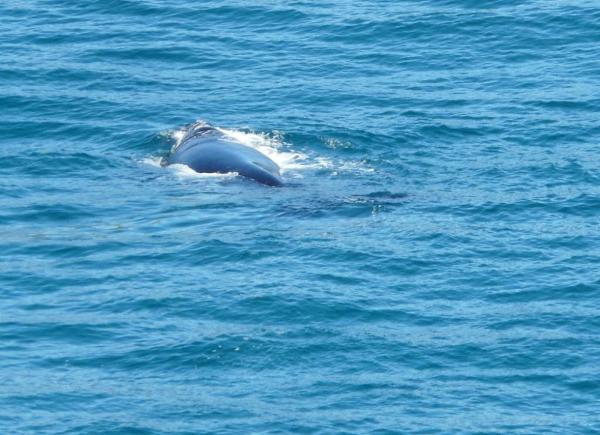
{"points": [[432, 263]]}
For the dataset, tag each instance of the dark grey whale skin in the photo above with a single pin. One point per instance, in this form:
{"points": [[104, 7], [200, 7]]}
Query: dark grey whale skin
{"points": [[207, 150]]}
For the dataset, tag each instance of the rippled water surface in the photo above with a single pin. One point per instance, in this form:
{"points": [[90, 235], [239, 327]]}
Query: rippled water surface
{"points": [[432, 264]]}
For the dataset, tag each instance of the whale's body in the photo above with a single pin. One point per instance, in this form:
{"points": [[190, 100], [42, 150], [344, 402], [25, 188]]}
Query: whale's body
{"points": [[206, 149]]}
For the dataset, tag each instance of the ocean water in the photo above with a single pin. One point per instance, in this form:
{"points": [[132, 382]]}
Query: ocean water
{"points": [[432, 264]]}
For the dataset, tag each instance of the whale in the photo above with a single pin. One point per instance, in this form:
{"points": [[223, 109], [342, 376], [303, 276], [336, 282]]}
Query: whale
{"points": [[206, 149]]}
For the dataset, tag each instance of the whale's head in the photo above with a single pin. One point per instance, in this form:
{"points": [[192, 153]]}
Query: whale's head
{"points": [[198, 128]]}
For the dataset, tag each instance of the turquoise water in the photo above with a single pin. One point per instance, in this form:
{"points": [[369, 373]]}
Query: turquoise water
{"points": [[432, 264]]}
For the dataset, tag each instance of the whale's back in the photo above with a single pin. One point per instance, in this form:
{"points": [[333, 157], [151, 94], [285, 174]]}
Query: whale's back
{"points": [[212, 152]]}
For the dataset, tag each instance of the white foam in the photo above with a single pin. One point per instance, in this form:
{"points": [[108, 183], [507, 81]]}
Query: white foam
{"points": [[271, 146], [152, 161], [184, 171], [178, 135]]}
